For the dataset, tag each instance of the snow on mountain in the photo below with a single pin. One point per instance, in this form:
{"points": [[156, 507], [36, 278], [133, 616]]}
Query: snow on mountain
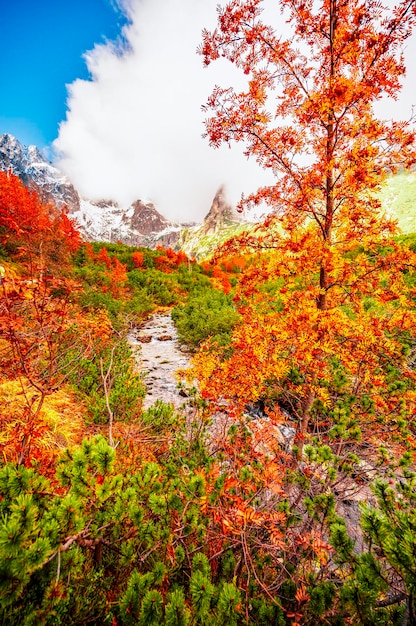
{"points": [[36, 172], [105, 220], [99, 220]]}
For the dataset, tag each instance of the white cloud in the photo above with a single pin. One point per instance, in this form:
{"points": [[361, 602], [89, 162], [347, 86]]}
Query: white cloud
{"points": [[134, 130]]}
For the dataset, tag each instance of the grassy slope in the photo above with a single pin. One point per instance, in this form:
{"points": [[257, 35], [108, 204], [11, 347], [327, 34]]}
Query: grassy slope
{"points": [[194, 242], [399, 200]]}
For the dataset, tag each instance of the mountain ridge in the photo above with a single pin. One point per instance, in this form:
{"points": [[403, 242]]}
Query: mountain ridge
{"points": [[140, 224], [100, 220]]}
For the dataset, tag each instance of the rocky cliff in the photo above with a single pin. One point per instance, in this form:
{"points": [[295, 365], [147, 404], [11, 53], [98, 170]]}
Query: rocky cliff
{"points": [[221, 223], [221, 215]]}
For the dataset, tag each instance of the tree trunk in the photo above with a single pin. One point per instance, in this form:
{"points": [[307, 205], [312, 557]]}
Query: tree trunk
{"points": [[306, 410]]}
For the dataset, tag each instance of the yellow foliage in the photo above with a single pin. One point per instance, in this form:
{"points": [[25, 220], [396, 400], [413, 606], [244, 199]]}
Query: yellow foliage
{"points": [[96, 324], [10, 271], [61, 415]]}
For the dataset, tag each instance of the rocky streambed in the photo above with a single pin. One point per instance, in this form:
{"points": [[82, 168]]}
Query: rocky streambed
{"points": [[159, 355]]}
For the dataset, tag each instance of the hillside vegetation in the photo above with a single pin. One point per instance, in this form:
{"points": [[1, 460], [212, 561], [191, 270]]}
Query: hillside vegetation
{"points": [[398, 199], [112, 514]]}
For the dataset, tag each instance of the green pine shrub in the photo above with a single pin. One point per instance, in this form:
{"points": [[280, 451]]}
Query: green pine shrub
{"points": [[206, 314]]}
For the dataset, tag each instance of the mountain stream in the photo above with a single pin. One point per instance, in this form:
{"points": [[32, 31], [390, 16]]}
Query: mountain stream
{"points": [[159, 354]]}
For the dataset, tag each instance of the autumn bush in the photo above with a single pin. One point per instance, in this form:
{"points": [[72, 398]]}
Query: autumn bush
{"points": [[33, 230], [145, 284], [181, 539], [159, 285]]}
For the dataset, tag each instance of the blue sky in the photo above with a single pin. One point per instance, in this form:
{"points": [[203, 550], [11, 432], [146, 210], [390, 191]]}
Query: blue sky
{"points": [[42, 44]]}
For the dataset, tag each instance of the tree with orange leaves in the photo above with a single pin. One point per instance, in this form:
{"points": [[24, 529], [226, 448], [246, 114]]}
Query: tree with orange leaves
{"points": [[104, 257], [138, 258], [66, 227], [325, 346], [332, 154], [307, 116], [21, 212], [332, 370], [307, 113], [30, 228], [118, 276]]}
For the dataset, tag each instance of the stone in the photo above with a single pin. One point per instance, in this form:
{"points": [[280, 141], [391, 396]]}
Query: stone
{"points": [[144, 338]]}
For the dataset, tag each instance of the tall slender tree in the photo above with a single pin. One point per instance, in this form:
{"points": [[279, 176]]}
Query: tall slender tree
{"points": [[307, 115]]}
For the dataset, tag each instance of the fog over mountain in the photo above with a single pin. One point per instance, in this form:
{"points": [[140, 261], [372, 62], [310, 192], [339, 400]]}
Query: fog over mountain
{"points": [[139, 224]]}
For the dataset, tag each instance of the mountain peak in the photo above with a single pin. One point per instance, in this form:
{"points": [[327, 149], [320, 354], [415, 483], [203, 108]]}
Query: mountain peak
{"points": [[147, 219], [36, 172], [140, 224], [221, 213]]}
